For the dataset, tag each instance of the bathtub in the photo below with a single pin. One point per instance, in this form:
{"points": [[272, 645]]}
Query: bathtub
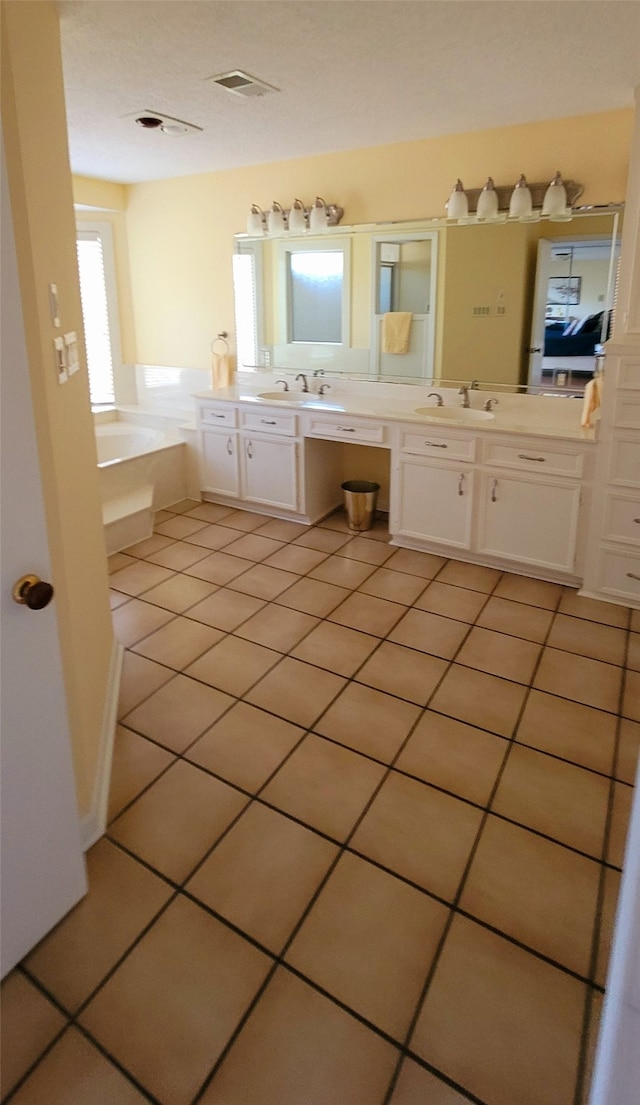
{"points": [[141, 468]]}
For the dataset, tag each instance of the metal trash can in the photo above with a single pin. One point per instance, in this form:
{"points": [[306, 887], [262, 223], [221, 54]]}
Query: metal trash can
{"points": [[360, 503]]}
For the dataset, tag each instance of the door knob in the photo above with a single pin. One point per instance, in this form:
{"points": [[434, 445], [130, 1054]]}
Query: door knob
{"points": [[32, 592]]}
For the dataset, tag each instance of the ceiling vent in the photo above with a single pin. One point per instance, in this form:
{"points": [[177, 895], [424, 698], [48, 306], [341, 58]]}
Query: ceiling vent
{"points": [[243, 84]]}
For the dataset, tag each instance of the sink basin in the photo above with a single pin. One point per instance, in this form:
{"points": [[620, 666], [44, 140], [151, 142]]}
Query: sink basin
{"points": [[456, 414], [282, 396]]}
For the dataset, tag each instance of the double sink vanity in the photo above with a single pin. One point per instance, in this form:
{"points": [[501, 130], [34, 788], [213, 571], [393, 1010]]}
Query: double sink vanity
{"points": [[508, 486]]}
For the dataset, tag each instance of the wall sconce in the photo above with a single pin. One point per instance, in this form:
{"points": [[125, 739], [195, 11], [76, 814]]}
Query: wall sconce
{"points": [[295, 220], [521, 205], [256, 221], [555, 198], [488, 201], [458, 204], [277, 219], [298, 218]]}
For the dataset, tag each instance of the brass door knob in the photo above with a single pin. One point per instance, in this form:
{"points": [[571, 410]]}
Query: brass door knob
{"points": [[32, 592]]}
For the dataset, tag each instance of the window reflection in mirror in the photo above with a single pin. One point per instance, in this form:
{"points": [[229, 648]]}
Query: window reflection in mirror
{"points": [[404, 277], [315, 281]]}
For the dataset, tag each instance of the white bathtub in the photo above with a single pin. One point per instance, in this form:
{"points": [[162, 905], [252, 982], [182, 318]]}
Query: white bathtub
{"points": [[141, 469]]}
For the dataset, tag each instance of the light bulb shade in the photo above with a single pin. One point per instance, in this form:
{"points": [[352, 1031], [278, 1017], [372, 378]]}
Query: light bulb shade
{"points": [[520, 206], [555, 197], [297, 218], [276, 219], [458, 204], [318, 215], [255, 221], [487, 201]]}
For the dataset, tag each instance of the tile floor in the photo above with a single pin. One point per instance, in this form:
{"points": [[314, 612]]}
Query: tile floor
{"points": [[367, 821]]}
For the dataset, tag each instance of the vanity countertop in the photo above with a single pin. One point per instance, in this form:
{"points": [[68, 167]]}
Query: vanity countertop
{"points": [[539, 415]]}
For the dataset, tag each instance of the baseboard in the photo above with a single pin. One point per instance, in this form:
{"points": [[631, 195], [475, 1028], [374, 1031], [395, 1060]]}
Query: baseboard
{"points": [[93, 824]]}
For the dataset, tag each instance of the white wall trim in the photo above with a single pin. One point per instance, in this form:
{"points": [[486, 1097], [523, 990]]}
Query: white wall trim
{"points": [[93, 824]]}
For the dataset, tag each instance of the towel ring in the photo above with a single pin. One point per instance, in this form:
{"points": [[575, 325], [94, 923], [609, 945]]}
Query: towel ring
{"points": [[220, 340]]}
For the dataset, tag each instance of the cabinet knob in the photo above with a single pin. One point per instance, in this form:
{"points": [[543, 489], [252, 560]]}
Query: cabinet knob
{"points": [[33, 592]]}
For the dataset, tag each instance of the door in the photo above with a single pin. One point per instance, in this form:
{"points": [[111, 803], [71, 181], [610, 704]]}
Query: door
{"points": [[435, 502], [42, 872], [540, 296], [219, 463], [532, 522], [270, 472]]}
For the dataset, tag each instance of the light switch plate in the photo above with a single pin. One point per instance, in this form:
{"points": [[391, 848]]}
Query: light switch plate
{"points": [[53, 304], [59, 350], [71, 352]]}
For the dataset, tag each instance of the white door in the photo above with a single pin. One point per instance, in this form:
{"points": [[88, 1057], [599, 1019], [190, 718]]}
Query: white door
{"points": [[42, 871], [435, 502], [270, 472], [540, 296], [532, 522]]}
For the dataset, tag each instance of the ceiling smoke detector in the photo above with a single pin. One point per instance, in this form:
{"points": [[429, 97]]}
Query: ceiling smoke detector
{"points": [[242, 84], [156, 120]]}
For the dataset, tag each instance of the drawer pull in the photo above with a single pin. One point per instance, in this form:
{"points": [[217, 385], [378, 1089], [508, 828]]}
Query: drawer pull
{"points": [[436, 445], [347, 429], [637, 520], [494, 489], [268, 422], [524, 456], [461, 484], [633, 575], [214, 415]]}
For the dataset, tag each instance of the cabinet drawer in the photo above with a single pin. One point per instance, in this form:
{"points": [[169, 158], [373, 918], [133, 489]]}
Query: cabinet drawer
{"points": [[620, 574], [268, 422], [625, 462], [622, 519], [348, 429], [530, 456], [434, 443], [217, 416]]}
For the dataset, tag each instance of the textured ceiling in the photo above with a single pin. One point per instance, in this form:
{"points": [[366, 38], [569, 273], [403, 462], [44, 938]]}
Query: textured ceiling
{"points": [[351, 73]]}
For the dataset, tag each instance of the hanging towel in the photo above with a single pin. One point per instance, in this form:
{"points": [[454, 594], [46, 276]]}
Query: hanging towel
{"points": [[396, 330], [221, 370], [591, 401]]}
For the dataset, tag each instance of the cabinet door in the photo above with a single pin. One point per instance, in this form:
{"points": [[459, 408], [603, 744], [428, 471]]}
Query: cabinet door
{"points": [[435, 502], [219, 462], [528, 521], [269, 471]]}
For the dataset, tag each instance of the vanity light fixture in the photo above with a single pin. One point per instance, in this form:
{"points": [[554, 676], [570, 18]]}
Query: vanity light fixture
{"points": [[318, 216], [488, 201], [521, 205], [458, 204], [277, 219], [297, 219], [555, 198], [256, 221], [298, 223]]}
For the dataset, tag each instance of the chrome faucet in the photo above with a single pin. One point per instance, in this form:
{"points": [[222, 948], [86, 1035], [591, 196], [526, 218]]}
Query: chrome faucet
{"points": [[464, 392], [323, 388], [301, 376], [286, 386], [436, 396], [490, 403], [319, 372]]}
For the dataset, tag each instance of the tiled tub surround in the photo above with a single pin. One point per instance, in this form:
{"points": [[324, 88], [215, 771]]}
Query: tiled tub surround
{"points": [[368, 811]]}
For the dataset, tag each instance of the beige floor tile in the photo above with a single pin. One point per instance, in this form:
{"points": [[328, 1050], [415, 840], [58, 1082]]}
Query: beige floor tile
{"points": [[209, 512], [178, 555], [136, 620], [178, 712], [631, 699], [117, 599], [295, 558], [516, 618], [280, 530], [368, 721], [499, 654], [580, 679], [184, 506], [369, 940], [179, 593], [234, 665], [150, 545], [417, 1086], [28, 1024], [501, 1022], [169, 1010], [118, 561], [403, 672], [219, 568], [622, 799], [140, 678], [570, 730], [175, 822], [453, 756], [297, 1037], [139, 577], [246, 746], [421, 564], [593, 1029], [263, 582], [370, 552], [368, 614], [587, 638], [226, 609], [123, 898], [542, 894], [178, 643], [405, 814], [75, 1071], [628, 747], [212, 537], [162, 516], [313, 597], [246, 520], [451, 602], [324, 785], [277, 627], [337, 521], [324, 540], [564, 802], [635, 620], [296, 691], [255, 548], [473, 576], [479, 699], [179, 527], [135, 763], [342, 571], [633, 652], [430, 633], [611, 890], [532, 592], [379, 530], [593, 609], [336, 648], [396, 586], [262, 876]]}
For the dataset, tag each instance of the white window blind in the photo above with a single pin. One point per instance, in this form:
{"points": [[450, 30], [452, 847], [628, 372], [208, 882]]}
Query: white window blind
{"points": [[95, 315], [244, 287]]}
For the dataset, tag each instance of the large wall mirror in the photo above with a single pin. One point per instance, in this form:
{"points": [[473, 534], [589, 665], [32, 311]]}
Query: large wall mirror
{"points": [[509, 303]]}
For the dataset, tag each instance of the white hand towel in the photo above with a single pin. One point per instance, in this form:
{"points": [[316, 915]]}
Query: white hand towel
{"points": [[396, 331]]}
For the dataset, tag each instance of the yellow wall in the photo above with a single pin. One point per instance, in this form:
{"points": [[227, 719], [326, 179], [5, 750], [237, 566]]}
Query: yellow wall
{"points": [[34, 125], [181, 230]]}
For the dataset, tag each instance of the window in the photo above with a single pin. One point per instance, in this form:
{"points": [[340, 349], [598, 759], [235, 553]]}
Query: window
{"points": [[246, 264], [314, 292], [99, 308]]}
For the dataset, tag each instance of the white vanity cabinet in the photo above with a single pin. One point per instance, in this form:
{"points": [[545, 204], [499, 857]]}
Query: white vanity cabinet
{"points": [[269, 471], [432, 487], [219, 468]]}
